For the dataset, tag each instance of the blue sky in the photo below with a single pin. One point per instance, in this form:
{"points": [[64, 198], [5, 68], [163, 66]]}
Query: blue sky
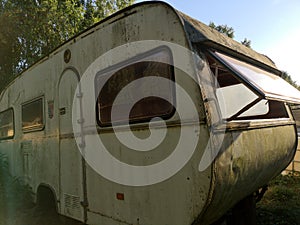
{"points": [[273, 26]]}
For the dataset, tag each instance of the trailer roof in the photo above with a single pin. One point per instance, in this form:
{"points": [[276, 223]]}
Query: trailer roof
{"points": [[198, 32]]}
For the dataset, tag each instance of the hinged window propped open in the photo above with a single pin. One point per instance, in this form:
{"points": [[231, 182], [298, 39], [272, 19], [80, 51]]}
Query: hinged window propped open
{"points": [[267, 85], [244, 92]]}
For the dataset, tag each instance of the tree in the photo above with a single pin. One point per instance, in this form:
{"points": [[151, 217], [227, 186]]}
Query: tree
{"points": [[31, 29], [224, 29], [8, 52], [229, 32], [246, 42], [289, 79]]}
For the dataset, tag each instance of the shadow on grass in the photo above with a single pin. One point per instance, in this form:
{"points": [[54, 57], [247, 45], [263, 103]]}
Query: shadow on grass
{"points": [[281, 203]]}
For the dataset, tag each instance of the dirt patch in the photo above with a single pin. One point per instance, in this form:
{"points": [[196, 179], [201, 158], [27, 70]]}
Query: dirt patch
{"points": [[18, 212], [37, 216]]}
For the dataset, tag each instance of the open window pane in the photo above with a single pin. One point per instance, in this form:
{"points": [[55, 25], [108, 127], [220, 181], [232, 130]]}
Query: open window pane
{"points": [[237, 101], [235, 97], [123, 84], [6, 124], [268, 84]]}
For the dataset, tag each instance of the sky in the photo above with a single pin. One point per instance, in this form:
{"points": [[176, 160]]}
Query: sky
{"points": [[273, 26]]}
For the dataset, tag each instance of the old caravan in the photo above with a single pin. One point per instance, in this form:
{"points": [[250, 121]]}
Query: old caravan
{"points": [[201, 122]]}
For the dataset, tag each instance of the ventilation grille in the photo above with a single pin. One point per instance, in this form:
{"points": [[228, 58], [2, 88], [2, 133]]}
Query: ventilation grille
{"points": [[72, 202]]}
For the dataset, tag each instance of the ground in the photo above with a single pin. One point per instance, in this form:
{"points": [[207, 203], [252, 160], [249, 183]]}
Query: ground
{"points": [[279, 206], [16, 206], [281, 202]]}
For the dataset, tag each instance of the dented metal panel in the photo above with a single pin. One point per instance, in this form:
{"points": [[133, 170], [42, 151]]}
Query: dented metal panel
{"points": [[247, 161]]}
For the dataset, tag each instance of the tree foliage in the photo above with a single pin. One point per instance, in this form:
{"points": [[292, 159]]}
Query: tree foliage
{"points": [[289, 79], [229, 32], [224, 29], [246, 42], [30, 29]]}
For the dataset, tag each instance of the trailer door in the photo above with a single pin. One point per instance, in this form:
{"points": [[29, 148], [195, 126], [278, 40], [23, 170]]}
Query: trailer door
{"points": [[72, 165]]}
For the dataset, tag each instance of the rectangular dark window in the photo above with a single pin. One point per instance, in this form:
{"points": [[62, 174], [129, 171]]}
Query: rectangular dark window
{"points": [[7, 124], [136, 90], [33, 115]]}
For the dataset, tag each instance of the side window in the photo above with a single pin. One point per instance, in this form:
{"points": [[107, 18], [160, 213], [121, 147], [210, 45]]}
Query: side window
{"points": [[33, 115], [296, 114], [237, 101], [157, 97], [7, 124]]}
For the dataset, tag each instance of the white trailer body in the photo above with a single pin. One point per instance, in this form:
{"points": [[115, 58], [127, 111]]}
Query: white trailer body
{"points": [[246, 144]]}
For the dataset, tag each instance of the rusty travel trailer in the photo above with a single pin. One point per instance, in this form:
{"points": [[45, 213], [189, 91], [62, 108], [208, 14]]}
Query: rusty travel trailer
{"points": [[223, 108]]}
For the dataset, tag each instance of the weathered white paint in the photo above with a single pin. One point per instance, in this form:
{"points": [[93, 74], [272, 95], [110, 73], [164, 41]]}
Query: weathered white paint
{"points": [[50, 157]]}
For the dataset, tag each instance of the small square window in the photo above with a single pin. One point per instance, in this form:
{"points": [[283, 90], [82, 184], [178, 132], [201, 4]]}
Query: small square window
{"points": [[7, 124], [33, 115]]}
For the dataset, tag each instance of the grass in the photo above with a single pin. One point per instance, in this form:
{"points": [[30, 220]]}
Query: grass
{"points": [[281, 202]]}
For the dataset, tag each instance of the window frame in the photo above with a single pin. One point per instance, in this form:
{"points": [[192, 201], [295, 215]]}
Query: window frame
{"points": [[296, 116], [256, 90], [39, 127], [123, 64], [252, 85], [13, 124]]}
